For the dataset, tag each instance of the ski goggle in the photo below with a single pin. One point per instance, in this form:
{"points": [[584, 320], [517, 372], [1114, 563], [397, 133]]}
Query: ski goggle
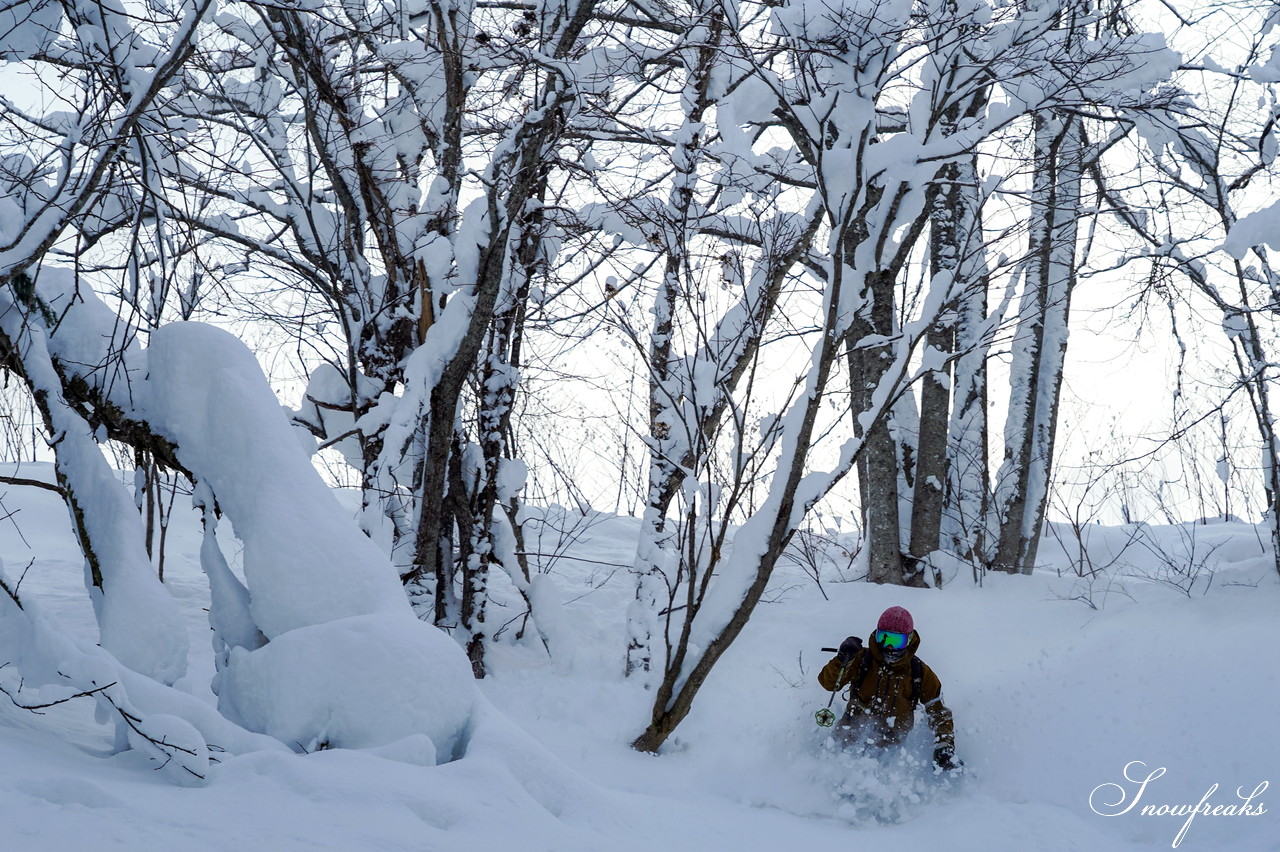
{"points": [[894, 641]]}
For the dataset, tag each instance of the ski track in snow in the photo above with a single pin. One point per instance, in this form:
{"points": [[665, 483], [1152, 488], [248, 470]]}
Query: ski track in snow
{"points": [[1052, 698]]}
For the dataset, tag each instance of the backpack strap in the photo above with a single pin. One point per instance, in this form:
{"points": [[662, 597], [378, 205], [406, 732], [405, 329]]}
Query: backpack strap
{"points": [[864, 667], [917, 680]]}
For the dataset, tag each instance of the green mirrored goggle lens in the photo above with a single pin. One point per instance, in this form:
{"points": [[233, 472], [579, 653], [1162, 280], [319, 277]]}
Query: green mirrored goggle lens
{"points": [[892, 640]]}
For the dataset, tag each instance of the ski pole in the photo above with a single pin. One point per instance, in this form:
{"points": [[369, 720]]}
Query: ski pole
{"points": [[824, 717]]}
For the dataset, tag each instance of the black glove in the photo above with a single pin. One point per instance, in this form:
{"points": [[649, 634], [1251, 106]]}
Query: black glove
{"points": [[849, 649], [944, 757]]}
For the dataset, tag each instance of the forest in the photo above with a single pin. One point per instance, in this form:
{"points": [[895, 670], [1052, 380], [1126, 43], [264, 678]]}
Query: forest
{"points": [[788, 282]]}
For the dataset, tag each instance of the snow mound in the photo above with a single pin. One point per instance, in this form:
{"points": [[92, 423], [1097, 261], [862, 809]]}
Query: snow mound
{"points": [[358, 682]]}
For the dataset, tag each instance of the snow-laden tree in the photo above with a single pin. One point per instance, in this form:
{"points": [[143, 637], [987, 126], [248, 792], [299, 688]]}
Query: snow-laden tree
{"points": [[876, 114], [318, 646], [1198, 209], [923, 481], [58, 167], [401, 168], [311, 642], [419, 194], [68, 136]]}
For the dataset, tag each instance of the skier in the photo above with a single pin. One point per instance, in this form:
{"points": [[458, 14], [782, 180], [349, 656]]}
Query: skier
{"points": [[887, 681]]}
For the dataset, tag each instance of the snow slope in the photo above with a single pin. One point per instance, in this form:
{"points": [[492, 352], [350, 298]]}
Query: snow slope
{"points": [[1052, 696]]}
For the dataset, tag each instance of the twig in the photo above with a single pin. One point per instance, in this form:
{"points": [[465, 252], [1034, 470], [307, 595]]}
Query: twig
{"points": [[36, 708], [134, 722], [34, 483], [575, 558]]}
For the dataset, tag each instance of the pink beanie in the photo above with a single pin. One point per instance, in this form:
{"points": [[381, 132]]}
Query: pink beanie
{"points": [[895, 619]]}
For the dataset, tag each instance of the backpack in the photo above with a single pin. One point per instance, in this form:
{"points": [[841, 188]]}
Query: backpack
{"points": [[864, 668]]}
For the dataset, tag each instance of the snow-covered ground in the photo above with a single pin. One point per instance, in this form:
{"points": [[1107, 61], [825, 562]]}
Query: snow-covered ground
{"points": [[1058, 685]]}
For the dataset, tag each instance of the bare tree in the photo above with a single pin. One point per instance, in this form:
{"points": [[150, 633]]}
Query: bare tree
{"points": [[1207, 160], [407, 158]]}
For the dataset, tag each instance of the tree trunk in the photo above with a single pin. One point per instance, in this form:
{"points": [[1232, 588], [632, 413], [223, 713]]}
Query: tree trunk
{"points": [[879, 470], [968, 486], [946, 220], [1041, 340], [769, 530], [499, 377], [670, 439]]}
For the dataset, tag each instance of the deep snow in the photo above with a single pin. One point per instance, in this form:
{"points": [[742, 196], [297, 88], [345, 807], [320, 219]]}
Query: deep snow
{"points": [[1052, 698]]}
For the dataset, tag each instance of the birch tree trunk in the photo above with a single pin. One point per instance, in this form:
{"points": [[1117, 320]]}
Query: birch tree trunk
{"points": [[1040, 342], [968, 488], [499, 381], [671, 437], [947, 222]]}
